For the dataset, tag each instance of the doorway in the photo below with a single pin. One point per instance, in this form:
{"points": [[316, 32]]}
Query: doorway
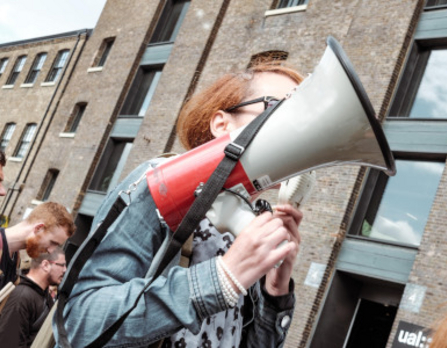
{"points": [[371, 325], [358, 311]]}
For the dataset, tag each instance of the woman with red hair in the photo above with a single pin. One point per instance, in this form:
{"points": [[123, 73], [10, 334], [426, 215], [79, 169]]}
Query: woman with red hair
{"points": [[232, 294]]}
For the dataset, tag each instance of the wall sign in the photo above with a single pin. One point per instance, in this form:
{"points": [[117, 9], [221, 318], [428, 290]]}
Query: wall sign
{"points": [[315, 274], [411, 335], [413, 297]]}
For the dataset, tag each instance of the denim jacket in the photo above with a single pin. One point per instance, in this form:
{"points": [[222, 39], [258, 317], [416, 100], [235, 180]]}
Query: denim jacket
{"points": [[123, 264]]}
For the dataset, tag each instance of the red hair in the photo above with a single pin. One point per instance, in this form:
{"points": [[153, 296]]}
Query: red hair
{"points": [[193, 127], [52, 214]]}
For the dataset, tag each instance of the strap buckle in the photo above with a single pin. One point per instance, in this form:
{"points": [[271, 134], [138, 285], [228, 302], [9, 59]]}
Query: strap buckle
{"points": [[234, 151]]}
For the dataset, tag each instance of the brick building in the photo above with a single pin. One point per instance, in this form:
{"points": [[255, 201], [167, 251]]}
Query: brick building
{"points": [[373, 261]]}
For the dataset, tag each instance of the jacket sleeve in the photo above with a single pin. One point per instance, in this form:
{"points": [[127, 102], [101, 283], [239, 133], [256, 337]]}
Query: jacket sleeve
{"points": [[116, 273], [269, 318]]}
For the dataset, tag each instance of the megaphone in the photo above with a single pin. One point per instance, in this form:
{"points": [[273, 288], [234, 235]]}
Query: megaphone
{"points": [[327, 120]]}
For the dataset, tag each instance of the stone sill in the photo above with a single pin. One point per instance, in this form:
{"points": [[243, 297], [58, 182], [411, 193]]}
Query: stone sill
{"points": [[95, 69], [47, 84], [66, 135]]}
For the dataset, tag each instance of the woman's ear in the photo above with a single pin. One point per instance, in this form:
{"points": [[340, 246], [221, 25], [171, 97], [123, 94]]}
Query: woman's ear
{"points": [[219, 123]]}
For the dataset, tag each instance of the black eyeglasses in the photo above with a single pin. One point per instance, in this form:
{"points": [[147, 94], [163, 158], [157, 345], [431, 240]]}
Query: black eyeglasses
{"points": [[59, 264], [268, 102]]}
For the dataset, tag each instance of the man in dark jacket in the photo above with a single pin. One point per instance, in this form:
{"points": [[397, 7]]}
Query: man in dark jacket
{"points": [[29, 303]]}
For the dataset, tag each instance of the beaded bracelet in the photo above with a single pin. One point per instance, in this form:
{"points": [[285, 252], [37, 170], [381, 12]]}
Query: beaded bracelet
{"points": [[231, 275], [230, 296]]}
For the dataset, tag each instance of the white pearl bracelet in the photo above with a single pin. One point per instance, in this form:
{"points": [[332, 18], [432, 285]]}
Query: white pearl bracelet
{"points": [[230, 296], [231, 275]]}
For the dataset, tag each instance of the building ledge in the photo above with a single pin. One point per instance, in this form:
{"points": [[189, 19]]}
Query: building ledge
{"points": [[95, 69], [281, 11], [47, 84], [66, 135]]}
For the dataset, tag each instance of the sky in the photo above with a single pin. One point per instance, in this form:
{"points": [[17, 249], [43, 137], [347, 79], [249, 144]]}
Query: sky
{"points": [[26, 19]]}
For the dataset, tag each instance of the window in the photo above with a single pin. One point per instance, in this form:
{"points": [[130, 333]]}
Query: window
{"points": [[75, 118], [58, 65], [18, 66], [47, 185], [141, 92], [3, 63], [396, 209], [422, 91], [111, 165], [104, 51], [435, 4], [291, 3], [170, 21], [7, 135], [25, 140], [35, 69], [269, 56]]}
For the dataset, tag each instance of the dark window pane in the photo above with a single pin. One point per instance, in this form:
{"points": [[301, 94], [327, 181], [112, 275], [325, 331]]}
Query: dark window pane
{"points": [[3, 63], [291, 3], [400, 212], [170, 21], [78, 112], [27, 136], [431, 97], [111, 165], [47, 187], [18, 66], [141, 92], [35, 69], [435, 3], [105, 53], [6, 136], [58, 65]]}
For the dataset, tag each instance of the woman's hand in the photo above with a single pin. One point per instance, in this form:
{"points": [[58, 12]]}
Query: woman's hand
{"points": [[277, 280], [255, 251]]}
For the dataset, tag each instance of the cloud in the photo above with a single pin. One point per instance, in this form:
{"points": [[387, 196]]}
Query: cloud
{"points": [[432, 93], [25, 19], [399, 231]]}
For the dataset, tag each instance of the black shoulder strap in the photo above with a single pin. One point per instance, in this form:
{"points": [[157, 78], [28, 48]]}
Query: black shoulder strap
{"points": [[78, 261], [195, 214]]}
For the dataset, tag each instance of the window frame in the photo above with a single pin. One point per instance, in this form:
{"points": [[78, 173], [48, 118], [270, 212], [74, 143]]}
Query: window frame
{"points": [[268, 56], [7, 135], [48, 184], [3, 64], [104, 52], [281, 4], [435, 6], [106, 158], [168, 24], [136, 98], [374, 184], [25, 140], [410, 81], [16, 70], [75, 118], [36, 68], [58, 65]]}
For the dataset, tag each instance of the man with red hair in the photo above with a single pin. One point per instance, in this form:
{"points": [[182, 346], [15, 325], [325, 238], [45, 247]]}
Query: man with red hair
{"points": [[47, 227]]}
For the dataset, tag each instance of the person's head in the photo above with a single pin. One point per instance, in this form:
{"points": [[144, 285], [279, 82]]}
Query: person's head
{"points": [[49, 268], [52, 225], [2, 177], [211, 113]]}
